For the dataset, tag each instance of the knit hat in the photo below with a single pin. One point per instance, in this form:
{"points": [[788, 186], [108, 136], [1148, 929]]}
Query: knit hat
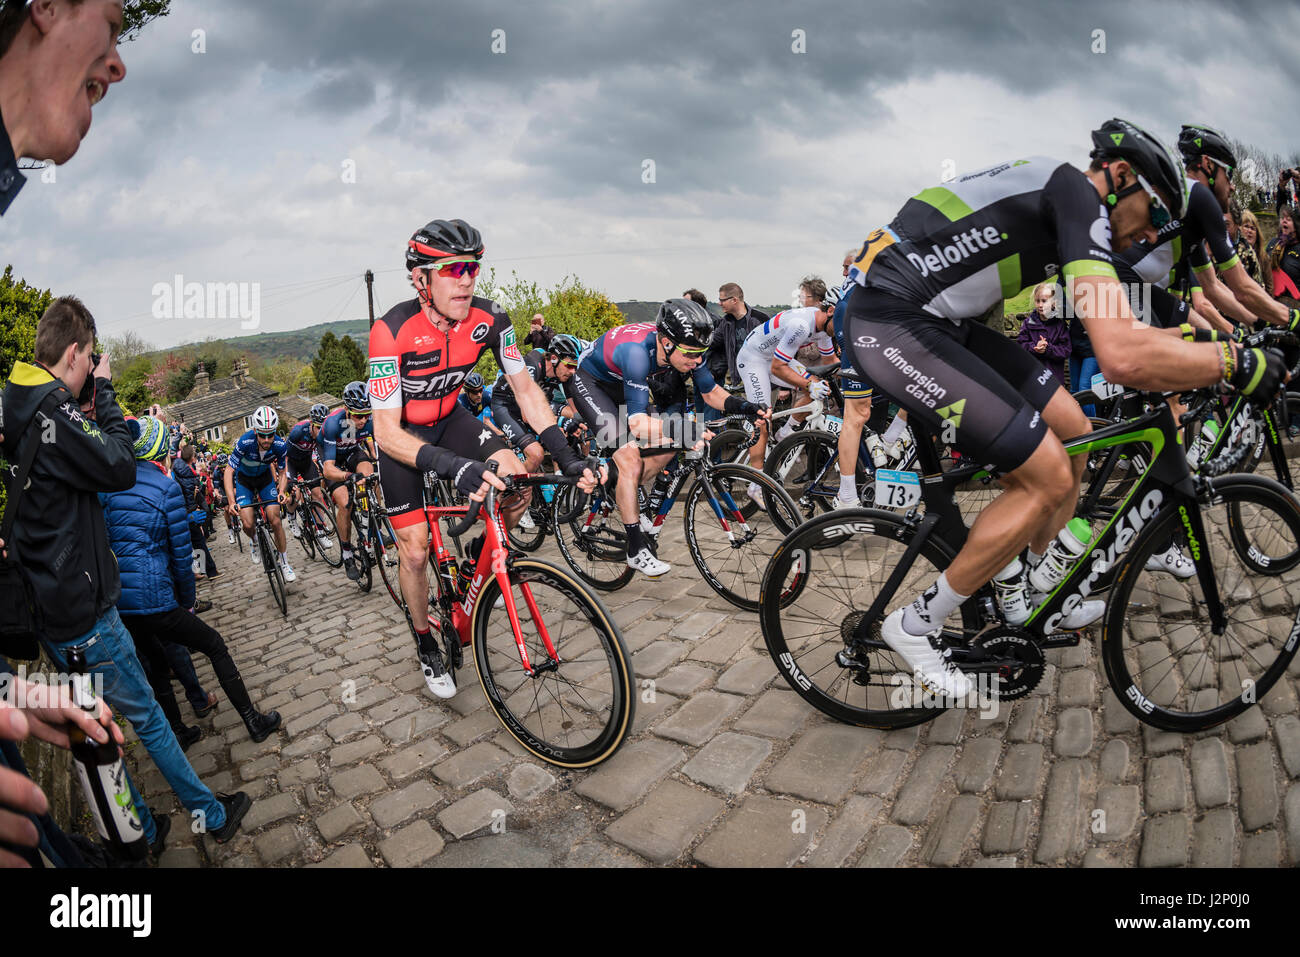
{"points": [[151, 441]]}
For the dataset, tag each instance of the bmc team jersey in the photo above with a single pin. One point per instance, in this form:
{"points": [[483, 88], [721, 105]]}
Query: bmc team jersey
{"points": [[627, 355], [250, 464], [301, 442], [785, 334], [957, 249], [418, 369], [535, 363], [1203, 224], [339, 439]]}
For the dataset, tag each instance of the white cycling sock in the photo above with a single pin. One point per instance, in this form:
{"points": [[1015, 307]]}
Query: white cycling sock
{"points": [[895, 430], [848, 488], [928, 612]]}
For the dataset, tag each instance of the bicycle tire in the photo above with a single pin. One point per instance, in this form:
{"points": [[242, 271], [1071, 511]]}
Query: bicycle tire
{"points": [[724, 447], [805, 466], [274, 574], [323, 518], [387, 559], [1152, 612], [574, 698], [1260, 461], [361, 554], [830, 596], [736, 573], [308, 537], [529, 541], [593, 542]]}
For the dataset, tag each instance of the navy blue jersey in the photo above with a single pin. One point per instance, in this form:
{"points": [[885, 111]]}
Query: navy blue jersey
{"points": [[252, 464], [627, 354], [339, 437]]}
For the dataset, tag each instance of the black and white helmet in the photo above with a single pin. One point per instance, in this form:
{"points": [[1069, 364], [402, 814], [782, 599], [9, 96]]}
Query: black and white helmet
{"points": [[356, 397], [685, 323]]}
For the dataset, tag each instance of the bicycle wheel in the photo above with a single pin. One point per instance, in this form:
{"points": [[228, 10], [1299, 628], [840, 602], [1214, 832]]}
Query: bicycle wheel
{"points": [[386, 558], [239, 538], [1162, 657], [806, 466], [274, 574], [308, 537], [576, 708], [529, 540], [361, 554], [724, 447], [817, 589], [1260, 460], [328, 545], [729, 537], [593, 540]]}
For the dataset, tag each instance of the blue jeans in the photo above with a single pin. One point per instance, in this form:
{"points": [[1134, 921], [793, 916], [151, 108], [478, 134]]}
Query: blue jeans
{"points": [[1082, 369], [109, 651]]}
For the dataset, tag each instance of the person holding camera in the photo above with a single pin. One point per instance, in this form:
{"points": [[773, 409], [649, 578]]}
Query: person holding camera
{"points": [[60, 541], [1288, 190], [1284, 256]]}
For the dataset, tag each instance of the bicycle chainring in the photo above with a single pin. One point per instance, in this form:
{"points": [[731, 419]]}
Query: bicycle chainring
{"points": [[1022, 663]]}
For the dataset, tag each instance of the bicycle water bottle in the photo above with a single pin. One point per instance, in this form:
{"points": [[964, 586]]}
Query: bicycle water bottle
{"points": [[1204, 442], [1010, 587], [1066, 549], [879, 457]]}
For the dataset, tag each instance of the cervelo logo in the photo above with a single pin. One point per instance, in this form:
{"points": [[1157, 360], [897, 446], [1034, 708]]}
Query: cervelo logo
{"points": [[963, 246], [1126, 529]]}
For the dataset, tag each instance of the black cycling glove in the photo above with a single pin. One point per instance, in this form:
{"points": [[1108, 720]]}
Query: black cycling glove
{"points": [[1259, 373], [568, 461], [735, 404]]}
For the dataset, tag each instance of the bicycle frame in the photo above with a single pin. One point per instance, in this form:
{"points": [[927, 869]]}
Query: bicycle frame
{"points": [[1165, 484], [492, 560]]}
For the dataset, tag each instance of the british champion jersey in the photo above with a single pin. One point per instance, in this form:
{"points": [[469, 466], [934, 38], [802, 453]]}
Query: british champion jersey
{"points": [[418, 369], [957, 249], [787, 332], [301, 442], [339, 437], [1187, 237], [627, 355], [250, 462]]}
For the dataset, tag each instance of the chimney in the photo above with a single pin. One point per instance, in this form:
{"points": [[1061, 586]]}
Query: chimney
{"points": [[240, 373], [200, 382]]}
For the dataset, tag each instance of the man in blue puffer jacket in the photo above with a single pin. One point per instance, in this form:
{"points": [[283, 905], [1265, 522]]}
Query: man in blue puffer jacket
{"points": [[149, 534]]}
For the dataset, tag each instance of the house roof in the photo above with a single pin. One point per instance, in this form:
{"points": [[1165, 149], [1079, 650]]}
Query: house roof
{"points": [[221, 404], [294, 408]]}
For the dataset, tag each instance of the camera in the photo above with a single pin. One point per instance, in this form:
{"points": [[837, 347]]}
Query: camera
{"points": [[88, 387]]}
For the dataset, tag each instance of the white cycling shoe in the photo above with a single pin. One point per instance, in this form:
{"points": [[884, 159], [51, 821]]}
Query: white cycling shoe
{"points": [[756, 496], [937, 674], [838, 503], [645, 562], [1084, 614], [253, 554], [526, 522], [1173, 561], [436, 679], [295, 528], [231, 535], [648, 525], [285, 567]]}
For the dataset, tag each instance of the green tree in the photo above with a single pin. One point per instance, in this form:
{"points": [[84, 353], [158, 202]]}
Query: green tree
{"points": [[129, 382], [21, 308], [137, 13], [338, 362]]}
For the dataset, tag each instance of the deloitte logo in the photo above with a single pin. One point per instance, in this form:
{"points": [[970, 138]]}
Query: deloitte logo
{"points": [[963, 247]]}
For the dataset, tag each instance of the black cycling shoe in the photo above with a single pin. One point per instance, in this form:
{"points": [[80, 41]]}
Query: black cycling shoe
{"points": [[350, 567], [163, 825], [236, 806]]}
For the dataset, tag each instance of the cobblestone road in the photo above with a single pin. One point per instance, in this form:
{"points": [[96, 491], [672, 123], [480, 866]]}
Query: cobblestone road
{"points": [[726, 765]]}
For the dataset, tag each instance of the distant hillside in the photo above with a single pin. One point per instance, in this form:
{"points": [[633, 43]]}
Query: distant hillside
{"points": [[301, 344]]}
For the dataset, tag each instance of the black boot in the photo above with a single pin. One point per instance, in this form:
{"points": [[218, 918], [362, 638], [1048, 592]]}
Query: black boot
{"points": [[187, 736], [260, 726]]}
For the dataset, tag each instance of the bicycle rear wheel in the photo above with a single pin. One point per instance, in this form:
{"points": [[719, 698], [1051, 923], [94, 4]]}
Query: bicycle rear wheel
{"points": [[1162, 657], [593, 540], [806, 466], [817, 589], [529, 540], [361, 554], [729, 537], [326, 535], [308, 537], [386, 558], [574, 709]]}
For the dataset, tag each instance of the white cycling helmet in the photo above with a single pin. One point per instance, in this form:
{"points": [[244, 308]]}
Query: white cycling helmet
{"points": [[265, 420]]}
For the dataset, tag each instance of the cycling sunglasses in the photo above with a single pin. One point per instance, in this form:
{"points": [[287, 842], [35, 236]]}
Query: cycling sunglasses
{"points": [[692, 350], [1160, 215], [458, 267]]}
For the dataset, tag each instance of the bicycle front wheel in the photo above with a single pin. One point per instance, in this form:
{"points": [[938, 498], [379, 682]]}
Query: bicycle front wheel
{"points": [[572, 708], [328, 544], [530, 539], [1168, 664], [308, 537], [820, 584], [274, 574], [729, 536], [592, 538], [806, 466]]}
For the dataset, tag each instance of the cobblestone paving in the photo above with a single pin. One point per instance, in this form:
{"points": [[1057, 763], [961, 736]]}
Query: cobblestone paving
{"points": [[726, 765]]}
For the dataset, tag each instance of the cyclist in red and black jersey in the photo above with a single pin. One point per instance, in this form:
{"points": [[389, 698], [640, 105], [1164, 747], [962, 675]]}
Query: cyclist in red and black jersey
{"points": [[420, 353]]}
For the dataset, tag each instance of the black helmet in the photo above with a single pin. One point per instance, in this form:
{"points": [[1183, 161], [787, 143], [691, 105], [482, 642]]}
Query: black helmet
{"points": [[473, 382], [319, 412], [685, 323], [440, 239], [356, 397], [1196, 141], [565, 347], [1120, 139]]}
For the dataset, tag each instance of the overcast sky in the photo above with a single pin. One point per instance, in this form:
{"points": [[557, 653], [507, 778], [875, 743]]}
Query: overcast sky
{"points": [[234, 164]]}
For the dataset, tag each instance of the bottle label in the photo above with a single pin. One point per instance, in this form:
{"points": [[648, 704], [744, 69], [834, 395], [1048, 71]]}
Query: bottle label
{"points": [[122, 824]]}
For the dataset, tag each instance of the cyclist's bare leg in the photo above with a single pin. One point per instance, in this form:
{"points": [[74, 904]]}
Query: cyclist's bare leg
{"points": [[533, 456], [246, 520], [758, 451], [511, 509], [856, 413], [413, 571], [631, 468], [277, 527], [1032, 499], [343, 515], [1065, 418]]}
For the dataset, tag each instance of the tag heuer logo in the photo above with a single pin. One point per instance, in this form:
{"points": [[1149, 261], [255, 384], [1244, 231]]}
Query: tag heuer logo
{"points": [[480, 332], [384, 380], [507, 338], [1117, 138]]}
